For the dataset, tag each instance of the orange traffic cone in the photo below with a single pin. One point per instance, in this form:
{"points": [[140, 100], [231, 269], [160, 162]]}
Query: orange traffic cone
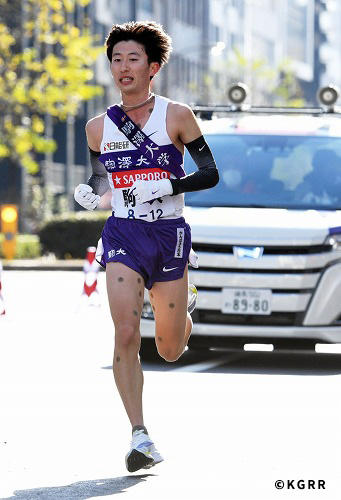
{"points": [[91, 268], [2, 303]]}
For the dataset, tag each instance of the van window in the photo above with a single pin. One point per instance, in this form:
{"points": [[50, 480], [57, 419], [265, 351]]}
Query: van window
{"points": [[273, 171]]}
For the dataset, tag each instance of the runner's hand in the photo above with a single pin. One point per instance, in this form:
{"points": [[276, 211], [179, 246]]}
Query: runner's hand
{"points": [[85, 197], [150, 190]]}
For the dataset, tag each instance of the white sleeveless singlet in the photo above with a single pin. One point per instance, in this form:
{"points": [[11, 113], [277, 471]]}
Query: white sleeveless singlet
{"points": [[118, 155]]}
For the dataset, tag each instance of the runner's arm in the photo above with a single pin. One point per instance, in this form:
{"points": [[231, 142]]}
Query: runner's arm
{"points": [[207, 175], [99, 178]]}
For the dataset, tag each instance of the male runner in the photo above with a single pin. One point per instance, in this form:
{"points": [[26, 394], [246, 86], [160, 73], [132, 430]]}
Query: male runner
{"points": [[136, 150]]}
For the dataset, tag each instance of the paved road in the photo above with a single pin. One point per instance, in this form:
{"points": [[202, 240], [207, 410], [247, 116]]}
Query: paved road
{"points": [[228, 424]]}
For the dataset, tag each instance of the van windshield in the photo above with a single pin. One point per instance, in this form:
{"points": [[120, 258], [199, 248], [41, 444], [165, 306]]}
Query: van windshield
{"points": [[274, 171]]}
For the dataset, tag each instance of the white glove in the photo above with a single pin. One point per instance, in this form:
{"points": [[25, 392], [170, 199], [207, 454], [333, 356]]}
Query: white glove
{"points": [[85, 197], [150, 190]]}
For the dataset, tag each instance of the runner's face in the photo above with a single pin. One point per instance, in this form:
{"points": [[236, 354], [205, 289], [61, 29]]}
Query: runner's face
{"points": [[130, 68]]}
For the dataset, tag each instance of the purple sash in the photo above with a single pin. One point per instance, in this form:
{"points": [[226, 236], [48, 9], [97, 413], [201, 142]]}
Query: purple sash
{"points": [[166, 157]]}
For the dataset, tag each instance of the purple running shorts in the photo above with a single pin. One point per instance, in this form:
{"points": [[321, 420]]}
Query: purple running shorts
{"points": [[158, 250]]}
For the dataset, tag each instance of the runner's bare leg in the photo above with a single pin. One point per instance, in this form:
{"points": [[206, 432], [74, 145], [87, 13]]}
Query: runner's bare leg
{"points": [[125, 293], [173, 322]]}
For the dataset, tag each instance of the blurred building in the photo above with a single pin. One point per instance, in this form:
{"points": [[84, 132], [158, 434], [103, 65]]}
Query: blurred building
{"points": [[260, 36], [217, 42]]}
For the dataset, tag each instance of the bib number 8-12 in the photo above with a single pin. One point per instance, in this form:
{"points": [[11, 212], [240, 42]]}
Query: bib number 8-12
{"points": [[158, 212]]}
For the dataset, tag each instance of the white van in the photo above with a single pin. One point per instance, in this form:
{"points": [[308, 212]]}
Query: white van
{"points": [[268, 236]]}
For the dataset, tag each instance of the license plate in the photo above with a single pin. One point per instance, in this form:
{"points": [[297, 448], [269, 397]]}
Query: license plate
{"points": [[246, 301]]}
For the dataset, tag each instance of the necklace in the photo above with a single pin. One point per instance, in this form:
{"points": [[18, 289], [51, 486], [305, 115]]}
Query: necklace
{"points": [[130, 108]]}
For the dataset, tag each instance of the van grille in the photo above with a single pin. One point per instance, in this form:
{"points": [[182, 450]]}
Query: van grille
{"points": [[274, 319], [268, 250]]}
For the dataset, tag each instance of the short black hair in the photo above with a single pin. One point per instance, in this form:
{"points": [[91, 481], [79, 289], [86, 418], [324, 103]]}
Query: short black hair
{"points": [[157, 43]]}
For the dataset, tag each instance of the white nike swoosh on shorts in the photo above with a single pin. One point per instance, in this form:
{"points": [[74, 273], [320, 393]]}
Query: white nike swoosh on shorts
{"points": [[170, 269]]}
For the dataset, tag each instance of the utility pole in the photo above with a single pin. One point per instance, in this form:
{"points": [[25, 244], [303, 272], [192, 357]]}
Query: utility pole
{"points": [[133, 10], [70, 153], [165, 69], [24, 175], [70, 160], [205, 59]]}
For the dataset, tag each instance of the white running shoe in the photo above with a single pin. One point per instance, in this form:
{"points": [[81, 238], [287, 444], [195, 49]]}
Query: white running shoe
{"points": [[157, 458], [142, 454], [192, 298]]}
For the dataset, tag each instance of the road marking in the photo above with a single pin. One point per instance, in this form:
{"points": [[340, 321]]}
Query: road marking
{"points": [[206, 365], [258, 347]]}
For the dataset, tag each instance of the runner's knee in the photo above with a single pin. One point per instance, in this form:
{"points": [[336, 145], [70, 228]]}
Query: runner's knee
{"points": [[169, 352], [127, 336]]}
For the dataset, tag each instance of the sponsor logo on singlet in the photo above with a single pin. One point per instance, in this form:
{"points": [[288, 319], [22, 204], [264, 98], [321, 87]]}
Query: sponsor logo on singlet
{"points": [[127, 179], [180, 243], [114, 145]]}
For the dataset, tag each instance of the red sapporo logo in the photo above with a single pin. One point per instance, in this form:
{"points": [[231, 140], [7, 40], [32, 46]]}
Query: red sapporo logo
{"points": [[127, 179]]}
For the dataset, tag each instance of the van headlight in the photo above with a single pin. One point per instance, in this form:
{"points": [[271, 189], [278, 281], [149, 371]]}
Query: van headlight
{"points": [[334, 240]]}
